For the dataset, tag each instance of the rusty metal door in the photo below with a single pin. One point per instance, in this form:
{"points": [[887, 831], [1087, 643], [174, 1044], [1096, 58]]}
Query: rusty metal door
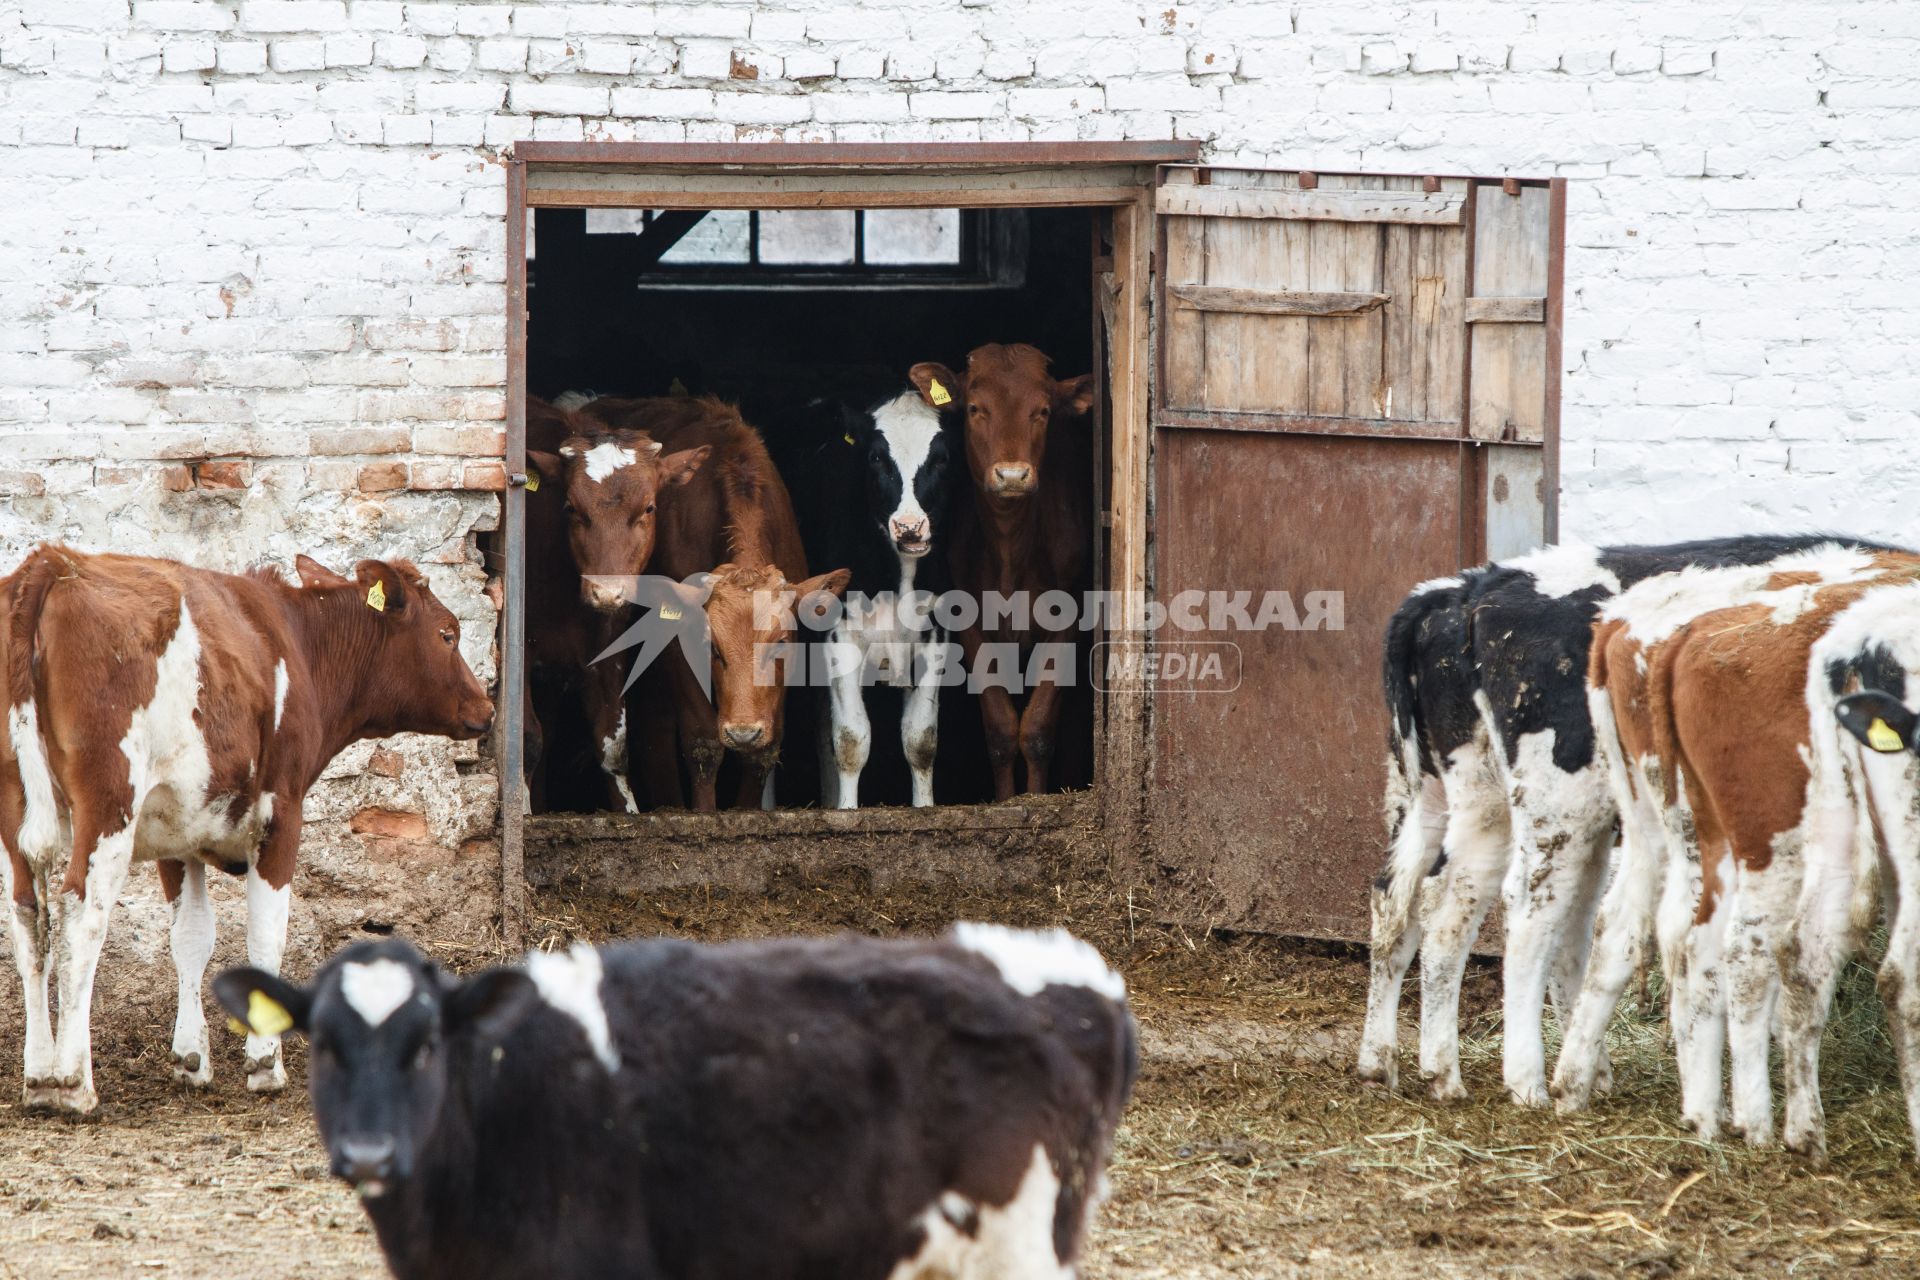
{"points": [[1357, 389]]}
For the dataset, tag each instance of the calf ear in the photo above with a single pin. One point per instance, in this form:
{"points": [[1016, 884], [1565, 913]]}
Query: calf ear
{"points": [[488, 1004], [832, 583], [543, 468], [386, 589], [1879, 720], [1074, 395], [938, 385], [314, 574], [678, 468], [261, 1002]]}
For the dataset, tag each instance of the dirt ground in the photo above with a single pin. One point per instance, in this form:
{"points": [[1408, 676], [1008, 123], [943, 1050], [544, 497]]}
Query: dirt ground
{"points": [[1249, 1149]]}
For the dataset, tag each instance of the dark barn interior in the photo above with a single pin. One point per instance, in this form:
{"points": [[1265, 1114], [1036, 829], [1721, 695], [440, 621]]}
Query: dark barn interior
{"points": [[789, 313]]}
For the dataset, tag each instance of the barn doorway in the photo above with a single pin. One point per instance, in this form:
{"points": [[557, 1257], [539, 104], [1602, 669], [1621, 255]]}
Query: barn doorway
{"points": [[1293, 366]]}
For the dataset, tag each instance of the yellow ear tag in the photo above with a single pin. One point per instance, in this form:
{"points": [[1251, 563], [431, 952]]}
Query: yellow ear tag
{"points": [[671, 612], [849, 438], [1881, 737], [267, 1016], [236, 1026], [937, 393], [377, 597], [533, 482]]}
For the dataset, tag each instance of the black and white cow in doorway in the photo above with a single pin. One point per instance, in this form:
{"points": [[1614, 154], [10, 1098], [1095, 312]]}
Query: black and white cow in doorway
{"points": [[907, 1109], [1495, 785], [896, 465]]}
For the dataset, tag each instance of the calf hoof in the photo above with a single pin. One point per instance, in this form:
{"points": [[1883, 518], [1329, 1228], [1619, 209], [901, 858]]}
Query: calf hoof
{"points": [[1448, 1088], [54, 1094], [1756, 1135], [1809, 1145], [1378, 1068], [266, 1075], [1570, 1097], [1603, 1076], [1532, 1095], [192, 1069], [1706, 1128]]}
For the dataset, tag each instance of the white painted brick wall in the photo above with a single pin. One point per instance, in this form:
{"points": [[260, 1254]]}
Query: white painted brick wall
{"points": [[296, 255], [239, 226]]}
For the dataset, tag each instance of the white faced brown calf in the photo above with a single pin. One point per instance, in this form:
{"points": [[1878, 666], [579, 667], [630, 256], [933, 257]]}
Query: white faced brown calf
{"points": [[895, 1110], [157, 712]]}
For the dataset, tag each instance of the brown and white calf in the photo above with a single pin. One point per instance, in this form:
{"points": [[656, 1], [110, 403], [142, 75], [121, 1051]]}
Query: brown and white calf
{"points": [[161, 713], [1698, 695], [1025, 529], [734, 519], [1864, 826], [592, 513]]}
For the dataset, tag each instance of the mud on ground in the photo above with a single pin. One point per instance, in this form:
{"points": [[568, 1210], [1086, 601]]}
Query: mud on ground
{"points": [[1249, 1150]]}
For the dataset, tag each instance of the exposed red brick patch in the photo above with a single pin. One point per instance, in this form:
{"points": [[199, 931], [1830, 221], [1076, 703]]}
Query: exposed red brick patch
{"points": [[488, 476], [227, 473], [381, 477], [386, 762], [390, 823]]}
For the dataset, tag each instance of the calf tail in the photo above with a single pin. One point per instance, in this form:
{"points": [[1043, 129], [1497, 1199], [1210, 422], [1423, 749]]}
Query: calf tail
{"points": [[40, 823]]}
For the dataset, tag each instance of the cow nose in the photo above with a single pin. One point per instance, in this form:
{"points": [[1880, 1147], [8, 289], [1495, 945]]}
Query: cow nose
{"points": [[478, 723], [1012, 476], [909, 532], [604, 596], [744, 735], [365, 1159]]}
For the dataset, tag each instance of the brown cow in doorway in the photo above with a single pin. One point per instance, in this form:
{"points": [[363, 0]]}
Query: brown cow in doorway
{"points": [[734, 521], [157, 712], [1026, 530], [591, 516]]}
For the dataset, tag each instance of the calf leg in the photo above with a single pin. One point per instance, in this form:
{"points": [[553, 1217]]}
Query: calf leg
{"points": [[606, 710], [1763, 907], [1002, 724], [95, 876], [1571, 956], [1396, 926], [1699, 1013], [849, 731], [1620, 950], [269, 897], [920, 724], [191, 936], [1557, 820], [1453, 906], [1823, 935], [27, 927], [1039, 732]]}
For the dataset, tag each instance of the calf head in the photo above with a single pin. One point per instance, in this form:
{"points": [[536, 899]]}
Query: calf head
{"points": [[1009, 399], [613, 483], [412, 678], [383, 1023], [751, 616], [908, 464], [1879, 720]]}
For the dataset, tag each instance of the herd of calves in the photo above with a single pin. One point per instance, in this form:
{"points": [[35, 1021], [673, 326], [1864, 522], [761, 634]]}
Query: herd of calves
{"points": [[1737, 710], [683, 490], [912, 1108]]}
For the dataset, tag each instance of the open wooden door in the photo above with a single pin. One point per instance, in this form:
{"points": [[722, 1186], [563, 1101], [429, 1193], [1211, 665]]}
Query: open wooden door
{"points": [[1357, 389]]}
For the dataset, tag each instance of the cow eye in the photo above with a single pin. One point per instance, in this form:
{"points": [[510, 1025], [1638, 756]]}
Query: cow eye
{"points": [[450, 636], [649, 510]]}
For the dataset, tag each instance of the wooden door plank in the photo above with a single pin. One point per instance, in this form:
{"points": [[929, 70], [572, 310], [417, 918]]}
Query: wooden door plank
{"points": [[1443, 208], [1511, 235], [1276, 302]]}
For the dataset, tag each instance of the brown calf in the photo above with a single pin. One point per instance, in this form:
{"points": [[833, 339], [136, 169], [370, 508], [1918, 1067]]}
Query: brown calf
{"points": [[1013, 537], [1699, 697], [157, 712], [591, 516], [735, 514]]}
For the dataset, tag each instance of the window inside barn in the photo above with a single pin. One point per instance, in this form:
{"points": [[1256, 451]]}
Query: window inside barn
{"points": [[801, 246]]}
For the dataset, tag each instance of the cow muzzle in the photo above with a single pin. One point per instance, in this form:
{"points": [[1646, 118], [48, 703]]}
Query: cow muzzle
{"points": [[911, 537], [1011, 479], [741, 736], [366, 1162], [606, 597]]}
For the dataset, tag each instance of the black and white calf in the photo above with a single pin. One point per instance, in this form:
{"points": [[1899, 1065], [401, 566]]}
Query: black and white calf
{"points": [[1495, 783], [848, 1107], [886, 648]]}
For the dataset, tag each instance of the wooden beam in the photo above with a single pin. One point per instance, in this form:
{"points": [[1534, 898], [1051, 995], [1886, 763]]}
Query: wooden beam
{"points": [[1275, 302], [1441, 208], [1506, 310]]}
